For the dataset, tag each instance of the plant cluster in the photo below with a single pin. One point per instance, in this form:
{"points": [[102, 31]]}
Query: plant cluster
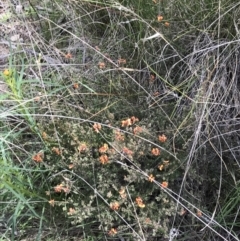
{"points": [[119, 120]]}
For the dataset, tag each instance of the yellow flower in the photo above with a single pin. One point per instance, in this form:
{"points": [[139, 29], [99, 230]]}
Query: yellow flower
{"points": [[7, 72]]}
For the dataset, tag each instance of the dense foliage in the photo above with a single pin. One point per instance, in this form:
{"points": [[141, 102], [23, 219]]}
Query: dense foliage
{"points": [[119, 120]]}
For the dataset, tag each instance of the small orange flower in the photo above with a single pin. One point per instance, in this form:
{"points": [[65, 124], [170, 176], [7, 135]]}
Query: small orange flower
{"points": [[71, 211], [37, 98], [152, 78], [114, 206], [57, 151], [141, 205], [148, 221], [44, 135], [199, 213], [52, 202], [129, 121], [66, 189], [103, 149], [138, 199], [151, 178], [160, 167], [68, 56], [119, 136], [38, 157], [164, 184], [97, 127], [112, 231], [75, 86], [58, 188], [82, 148], [163, 165], [182, 212], [101, 65], [166, 162], [111, 151], [156, 152], [127, 152], [126, 123], [162, 138], [97, 48], [122, 193], [159, 18], [134, 119], [70, 166], [167, 24], [122, 61], [156, 94], [107, 56], [103, 159], [139, 202], [137, 130]]}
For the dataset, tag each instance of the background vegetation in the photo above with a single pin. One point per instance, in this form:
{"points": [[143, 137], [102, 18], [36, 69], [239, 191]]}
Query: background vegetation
{"points": [[120, 120]]}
